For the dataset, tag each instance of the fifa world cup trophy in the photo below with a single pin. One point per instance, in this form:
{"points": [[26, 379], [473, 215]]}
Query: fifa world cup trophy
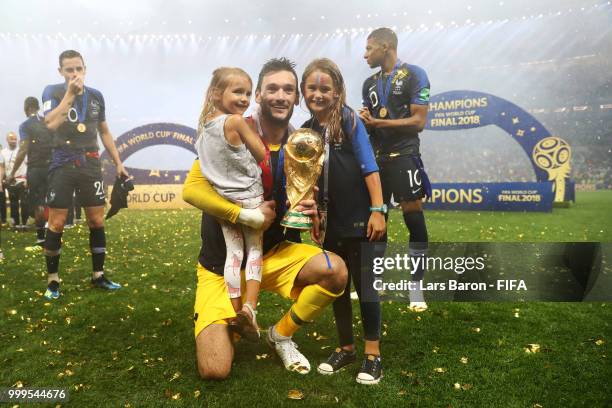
{"points": [[303, 163], [553, 155]]}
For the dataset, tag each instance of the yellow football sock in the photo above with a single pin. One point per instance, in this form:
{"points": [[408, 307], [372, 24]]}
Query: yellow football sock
{"points": [[308, 306], [286, 326]]}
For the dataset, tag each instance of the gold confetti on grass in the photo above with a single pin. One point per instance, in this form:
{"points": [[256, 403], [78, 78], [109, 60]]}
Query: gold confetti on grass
{"points": [[261, 356], [176, 396], [464, 360], [175, 376], [196, 394], [463, 387], [295, 395], [599, 342], [440, 370], [532, 348], [476, 329]]}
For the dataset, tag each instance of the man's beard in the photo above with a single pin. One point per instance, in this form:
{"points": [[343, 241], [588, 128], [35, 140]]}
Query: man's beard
{"points": [[266, 111]]}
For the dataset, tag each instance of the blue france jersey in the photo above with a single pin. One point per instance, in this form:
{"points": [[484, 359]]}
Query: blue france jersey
{"points": [[349, 162], [409, 86], [67, 135]]}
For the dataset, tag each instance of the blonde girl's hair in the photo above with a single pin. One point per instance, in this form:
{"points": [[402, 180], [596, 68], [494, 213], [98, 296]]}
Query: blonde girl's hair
{"points": [[220, 80], [334, 124]]}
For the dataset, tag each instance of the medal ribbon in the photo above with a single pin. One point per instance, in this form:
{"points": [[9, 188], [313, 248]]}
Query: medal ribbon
{"points": [[83, 111], [384, 93], [266, 172]]}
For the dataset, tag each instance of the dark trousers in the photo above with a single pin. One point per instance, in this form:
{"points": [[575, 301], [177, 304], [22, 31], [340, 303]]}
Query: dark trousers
{"points": [[2, 206], [359, 260], [19, 204]]}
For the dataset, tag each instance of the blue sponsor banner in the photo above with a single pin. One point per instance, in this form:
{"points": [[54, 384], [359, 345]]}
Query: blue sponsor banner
{"points": [[492, 196]]}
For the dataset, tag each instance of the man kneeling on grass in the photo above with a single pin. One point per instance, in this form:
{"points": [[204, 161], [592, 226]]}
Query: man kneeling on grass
{"points": [[303, 273]]}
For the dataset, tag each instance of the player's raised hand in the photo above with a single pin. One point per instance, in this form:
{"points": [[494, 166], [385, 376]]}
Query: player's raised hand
{"points": [[75, 86]]}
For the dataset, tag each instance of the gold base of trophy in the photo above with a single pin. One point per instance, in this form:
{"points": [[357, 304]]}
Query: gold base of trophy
{"points": [[296, 220]]}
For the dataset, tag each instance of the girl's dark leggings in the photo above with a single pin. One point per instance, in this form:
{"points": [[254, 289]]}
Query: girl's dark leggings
{"points": [[358, 254]]}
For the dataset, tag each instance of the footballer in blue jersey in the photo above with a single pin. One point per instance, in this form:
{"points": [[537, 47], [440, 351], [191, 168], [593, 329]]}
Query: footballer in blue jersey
{"points": [[76, 115], [35, 143], [396, 100]]}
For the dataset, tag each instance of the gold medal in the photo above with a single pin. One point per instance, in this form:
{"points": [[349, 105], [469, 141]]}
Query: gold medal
{"points": [[382, 112], [81, 127]]}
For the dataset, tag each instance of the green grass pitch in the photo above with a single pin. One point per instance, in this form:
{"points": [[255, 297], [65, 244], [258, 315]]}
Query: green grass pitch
{"points": [[135, 347]]}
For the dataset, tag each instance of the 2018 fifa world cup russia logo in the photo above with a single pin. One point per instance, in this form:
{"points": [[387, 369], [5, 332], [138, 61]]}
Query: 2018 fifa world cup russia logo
{"points": [[553, 155]]}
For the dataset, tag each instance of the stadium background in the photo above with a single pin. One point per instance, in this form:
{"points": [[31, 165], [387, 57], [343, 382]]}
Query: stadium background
{"points": [[153, 59]]}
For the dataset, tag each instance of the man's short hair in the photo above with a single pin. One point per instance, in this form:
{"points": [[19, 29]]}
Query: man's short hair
{"points": [[70, 54], [276, 65], [384, 34], [31, 104]]}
